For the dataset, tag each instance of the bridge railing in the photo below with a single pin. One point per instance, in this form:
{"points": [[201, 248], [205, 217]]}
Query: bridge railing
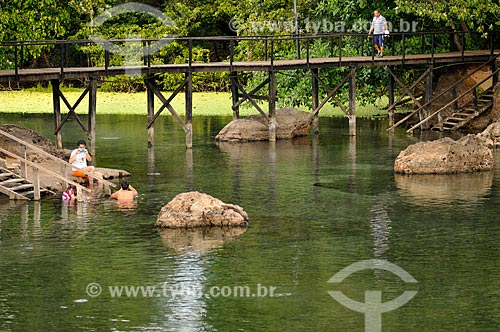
{"points": [[64, 54]]}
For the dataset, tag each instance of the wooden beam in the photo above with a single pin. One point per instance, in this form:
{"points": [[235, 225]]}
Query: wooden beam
{"points": [[315, 99], [151, 113], [331, 94], [272, 106], [72, 109], [92, 116], [352, 102], [407, 90], [250, 96], [234, 95], [166, 104], [189, 110], [56, 102], [250, 99], [36, 184], [390, 88], [23, 166]]}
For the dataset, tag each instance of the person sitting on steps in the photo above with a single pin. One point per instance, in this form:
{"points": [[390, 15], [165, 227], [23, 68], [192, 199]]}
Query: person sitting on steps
{"points": [[79, 158]]}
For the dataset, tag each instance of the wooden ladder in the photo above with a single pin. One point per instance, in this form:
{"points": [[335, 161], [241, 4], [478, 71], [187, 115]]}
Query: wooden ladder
{"points": [[17, 187], [464, 115]]}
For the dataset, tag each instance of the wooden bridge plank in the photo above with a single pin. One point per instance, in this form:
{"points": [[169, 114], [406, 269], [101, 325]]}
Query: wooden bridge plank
{"points": [[356, 61]]}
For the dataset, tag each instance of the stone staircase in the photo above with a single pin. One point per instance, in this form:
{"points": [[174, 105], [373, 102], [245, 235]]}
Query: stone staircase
{"points": [[464, 115], [17, 187]]}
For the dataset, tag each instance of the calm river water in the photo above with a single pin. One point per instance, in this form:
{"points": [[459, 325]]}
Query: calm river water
{"points": [[316, 206]]}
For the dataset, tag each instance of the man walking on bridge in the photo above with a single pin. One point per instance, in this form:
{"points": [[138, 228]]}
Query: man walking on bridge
{"points": [[379, 27]]}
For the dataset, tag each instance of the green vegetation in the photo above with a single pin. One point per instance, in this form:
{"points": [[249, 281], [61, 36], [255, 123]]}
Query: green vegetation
{"points": [[52, 20], [204, 103]]}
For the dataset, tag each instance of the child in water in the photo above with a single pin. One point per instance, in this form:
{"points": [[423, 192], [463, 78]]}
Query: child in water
{"points": [[69, 195]]}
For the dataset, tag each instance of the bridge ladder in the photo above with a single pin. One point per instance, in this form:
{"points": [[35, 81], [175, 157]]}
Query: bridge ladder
{"points": [[465, 114], [7, 187], [18, 187]]}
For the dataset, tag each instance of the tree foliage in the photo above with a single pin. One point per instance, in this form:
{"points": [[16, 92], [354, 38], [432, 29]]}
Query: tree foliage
{"points": [[479, 15], [51, 20]]}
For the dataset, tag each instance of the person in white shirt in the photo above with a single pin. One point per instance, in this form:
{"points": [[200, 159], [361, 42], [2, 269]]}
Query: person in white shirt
{"points": [[379, 27], [79, 158]]}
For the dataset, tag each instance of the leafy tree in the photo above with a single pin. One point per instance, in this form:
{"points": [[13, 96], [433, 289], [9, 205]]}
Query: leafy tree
{"points": [[480, 15]]}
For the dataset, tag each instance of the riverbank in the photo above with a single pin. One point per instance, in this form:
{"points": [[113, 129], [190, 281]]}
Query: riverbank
{"points": [[204, 103]]}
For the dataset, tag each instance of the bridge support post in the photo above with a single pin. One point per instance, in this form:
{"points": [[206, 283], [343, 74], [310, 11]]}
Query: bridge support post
{"points": [[352, 102], [151, 114], [189, 110], [92, 114], [428, 95], [56, 101], [272, 106], [36, 184], [315, 99], [234, 95], [186, 86], [391, 97], [493, 69]]}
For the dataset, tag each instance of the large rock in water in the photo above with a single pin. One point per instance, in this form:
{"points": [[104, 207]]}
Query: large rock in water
{"points": [[194, 209], [492, 134], [469, 154], [290, 123]]}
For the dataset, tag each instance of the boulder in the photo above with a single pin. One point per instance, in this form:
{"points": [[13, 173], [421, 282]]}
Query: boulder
{"points": [[244, 130], [290, 123], [468, 154], [492, 134], [195, 209], [111, 173]]}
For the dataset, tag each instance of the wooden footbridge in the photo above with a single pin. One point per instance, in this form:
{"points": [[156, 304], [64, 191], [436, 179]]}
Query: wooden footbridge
{"points": [[349, 50]]}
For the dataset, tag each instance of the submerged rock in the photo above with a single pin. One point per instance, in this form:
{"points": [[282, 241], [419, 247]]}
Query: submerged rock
{"points": [[195, 209], [290, 123], [468, 154]]}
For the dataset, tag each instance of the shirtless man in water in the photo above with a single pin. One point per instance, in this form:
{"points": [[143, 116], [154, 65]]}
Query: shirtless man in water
{"points": [[127, 193]]}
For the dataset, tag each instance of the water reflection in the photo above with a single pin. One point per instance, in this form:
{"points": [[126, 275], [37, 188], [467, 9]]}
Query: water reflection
{"points": [[185, 305], [199, 240], [183, 301], [468, 188], [380, 224]]}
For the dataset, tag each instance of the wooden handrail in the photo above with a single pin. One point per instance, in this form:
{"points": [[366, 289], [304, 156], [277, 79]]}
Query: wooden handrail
{"points": [[453, 101], [43, 169], [46, 154]]}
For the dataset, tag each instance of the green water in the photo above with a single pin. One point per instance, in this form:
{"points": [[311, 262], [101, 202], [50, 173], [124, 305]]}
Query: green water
{"points": [[315, 206]]}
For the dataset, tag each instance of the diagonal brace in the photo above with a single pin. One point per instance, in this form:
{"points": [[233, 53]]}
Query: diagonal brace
{"points": [[408, 90], [247, 96], [72, 110], [166, 104], [331, 94]]}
